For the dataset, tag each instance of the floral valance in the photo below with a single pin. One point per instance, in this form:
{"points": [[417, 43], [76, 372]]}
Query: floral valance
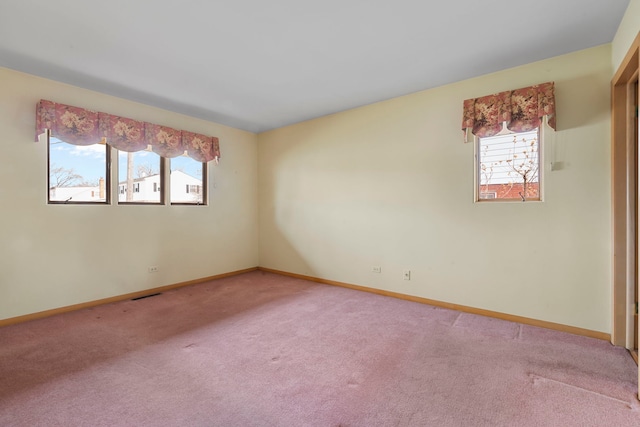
{"points": [[522, 110], [80, 126]]}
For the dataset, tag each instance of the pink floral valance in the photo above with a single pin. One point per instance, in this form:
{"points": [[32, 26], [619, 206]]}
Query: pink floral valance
{"points": [[122, 133], [79, 126], [200, 147], [165, 141], [521, 109], [71, 124]]}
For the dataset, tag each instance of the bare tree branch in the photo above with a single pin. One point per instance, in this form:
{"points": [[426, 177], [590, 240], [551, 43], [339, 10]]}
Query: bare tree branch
{"points": [[63, 177], [145, 169]]}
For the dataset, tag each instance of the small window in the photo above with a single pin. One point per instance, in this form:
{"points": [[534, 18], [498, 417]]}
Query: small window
{"points": [[139, 177], [194, 189], [188, 181], [488, 195], [77, 173], [508, 166]]}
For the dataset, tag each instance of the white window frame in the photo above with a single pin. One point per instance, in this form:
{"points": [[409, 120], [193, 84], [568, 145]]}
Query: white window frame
{"points": [[477, 182]]}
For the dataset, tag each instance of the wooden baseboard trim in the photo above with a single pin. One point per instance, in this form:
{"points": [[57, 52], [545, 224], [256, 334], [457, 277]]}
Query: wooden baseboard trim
{"points": [[466, 309], [137, 294]]}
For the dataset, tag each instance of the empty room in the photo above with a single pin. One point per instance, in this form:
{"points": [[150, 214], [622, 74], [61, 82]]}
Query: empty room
{"points": [[319, 213]]}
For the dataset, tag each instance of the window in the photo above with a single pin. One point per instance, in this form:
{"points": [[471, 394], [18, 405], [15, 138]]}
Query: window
{"points": [[507, 130], [188, 181], [488, 194], [139, 177], [78, 166], [77, 173], [194, 189], [508, 166]]}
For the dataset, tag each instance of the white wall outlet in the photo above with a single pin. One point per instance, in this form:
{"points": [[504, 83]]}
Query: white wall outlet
{"points": [[153, 269], [406, 274], [376, 269]]}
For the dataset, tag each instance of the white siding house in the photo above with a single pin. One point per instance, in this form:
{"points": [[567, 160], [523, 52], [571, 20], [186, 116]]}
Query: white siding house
{"points": [[78, 193], [184, 189], [75, 194]]}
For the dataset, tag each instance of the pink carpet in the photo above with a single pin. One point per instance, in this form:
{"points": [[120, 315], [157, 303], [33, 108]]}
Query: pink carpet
{"points": [[261, 349]]}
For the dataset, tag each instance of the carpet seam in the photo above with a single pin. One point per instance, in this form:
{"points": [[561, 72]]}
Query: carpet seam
{"points": [[540, 377]]}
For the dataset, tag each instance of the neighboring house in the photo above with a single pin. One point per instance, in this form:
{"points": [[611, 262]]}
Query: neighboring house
{"points": [[78, 193], [508, 191], [145, 189], [184, 189]]}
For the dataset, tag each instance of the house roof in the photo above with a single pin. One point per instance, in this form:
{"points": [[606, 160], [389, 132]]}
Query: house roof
{"points": [[154, 175], [259, 65]]}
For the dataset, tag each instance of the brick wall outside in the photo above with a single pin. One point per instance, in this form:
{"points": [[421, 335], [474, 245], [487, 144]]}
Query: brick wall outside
{"points": [[509, 191]]}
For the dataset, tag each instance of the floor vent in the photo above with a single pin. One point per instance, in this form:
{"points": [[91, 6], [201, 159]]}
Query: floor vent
{"points": [[145, 296]]}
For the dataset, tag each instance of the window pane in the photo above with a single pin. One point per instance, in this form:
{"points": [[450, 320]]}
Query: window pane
{"points": [[139, 177], [508, 166], [188, 178], [77, 173]]}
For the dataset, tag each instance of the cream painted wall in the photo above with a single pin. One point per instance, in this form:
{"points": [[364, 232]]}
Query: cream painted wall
{"points": [[626, 34], [391, 185], [53, 256]]}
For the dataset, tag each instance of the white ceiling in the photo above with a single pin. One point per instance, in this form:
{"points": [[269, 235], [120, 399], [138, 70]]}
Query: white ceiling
{"points": [[259, 65]]}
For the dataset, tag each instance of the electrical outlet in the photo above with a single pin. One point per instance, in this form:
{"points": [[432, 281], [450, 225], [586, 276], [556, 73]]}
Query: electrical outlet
{"points": [[376, 269], [153, 269], [406, 274]]}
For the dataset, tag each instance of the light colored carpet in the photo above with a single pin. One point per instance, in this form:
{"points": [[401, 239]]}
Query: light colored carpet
{"points": [[261, 349]]}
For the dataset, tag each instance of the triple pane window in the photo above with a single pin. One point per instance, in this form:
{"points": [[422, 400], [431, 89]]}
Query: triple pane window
{"points": [[80, 174]]}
